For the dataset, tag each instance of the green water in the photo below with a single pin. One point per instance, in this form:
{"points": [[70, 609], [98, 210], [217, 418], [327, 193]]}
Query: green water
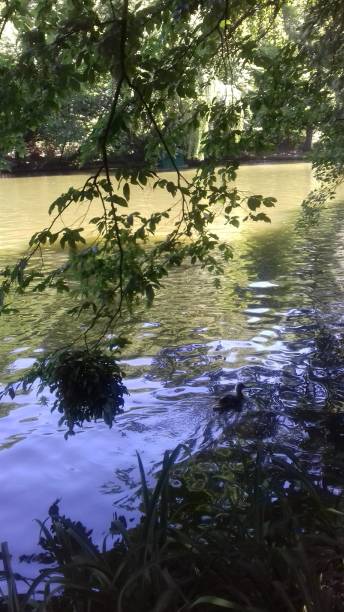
{"points": [[280, 296]]}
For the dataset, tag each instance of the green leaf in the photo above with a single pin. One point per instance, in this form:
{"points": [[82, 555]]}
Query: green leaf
{"points": [[115, 199], [254, 202], [171, 188], [261, 217], [126, 191], [223, 23], [269, 202], [223, 603]]}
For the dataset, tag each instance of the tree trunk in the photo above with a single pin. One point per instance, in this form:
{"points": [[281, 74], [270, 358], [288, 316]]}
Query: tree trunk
{"points": [[307, 144]]}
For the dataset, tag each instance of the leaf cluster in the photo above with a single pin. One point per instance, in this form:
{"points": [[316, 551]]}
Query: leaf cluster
{"points": [[86, 386]]}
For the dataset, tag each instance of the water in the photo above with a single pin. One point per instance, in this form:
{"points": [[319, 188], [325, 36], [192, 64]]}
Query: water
{"points": [[276, 324]]}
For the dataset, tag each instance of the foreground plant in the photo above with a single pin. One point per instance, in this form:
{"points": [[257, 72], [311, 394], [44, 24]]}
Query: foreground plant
{"points": [[219, 531]]}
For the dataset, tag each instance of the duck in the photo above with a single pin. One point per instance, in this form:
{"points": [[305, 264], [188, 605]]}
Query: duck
{"points": [[233, 400]]}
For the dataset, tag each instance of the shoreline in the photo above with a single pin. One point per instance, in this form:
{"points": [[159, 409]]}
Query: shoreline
{"points": [[29, 171]]}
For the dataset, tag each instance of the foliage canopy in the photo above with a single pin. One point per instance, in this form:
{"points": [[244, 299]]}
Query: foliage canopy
{"points": [[149, 68]]}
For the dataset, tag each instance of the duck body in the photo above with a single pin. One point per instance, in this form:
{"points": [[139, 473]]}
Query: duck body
{"points": [[233, 400]]}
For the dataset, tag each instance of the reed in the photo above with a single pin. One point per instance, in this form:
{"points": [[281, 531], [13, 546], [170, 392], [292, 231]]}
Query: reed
{"points": [[246, 531]]}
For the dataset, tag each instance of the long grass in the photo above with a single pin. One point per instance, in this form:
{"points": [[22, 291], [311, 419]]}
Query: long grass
{"points": [[245, 531]]}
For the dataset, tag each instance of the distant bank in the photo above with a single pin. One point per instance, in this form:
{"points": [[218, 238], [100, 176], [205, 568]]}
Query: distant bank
{"points": [[43, 167]]}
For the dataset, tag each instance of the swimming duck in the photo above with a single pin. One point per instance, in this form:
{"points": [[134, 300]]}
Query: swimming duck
{"points": [[233, 400]]}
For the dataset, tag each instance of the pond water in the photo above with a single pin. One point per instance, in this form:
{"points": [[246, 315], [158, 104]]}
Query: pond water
{"points": [[276, 324]]}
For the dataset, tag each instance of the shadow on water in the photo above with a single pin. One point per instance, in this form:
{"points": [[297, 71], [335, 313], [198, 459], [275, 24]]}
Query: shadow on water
{"points": [[276, 325]]}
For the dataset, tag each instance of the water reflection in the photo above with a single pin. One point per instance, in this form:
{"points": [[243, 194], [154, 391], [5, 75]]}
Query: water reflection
{"points": [[276, 325]]}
